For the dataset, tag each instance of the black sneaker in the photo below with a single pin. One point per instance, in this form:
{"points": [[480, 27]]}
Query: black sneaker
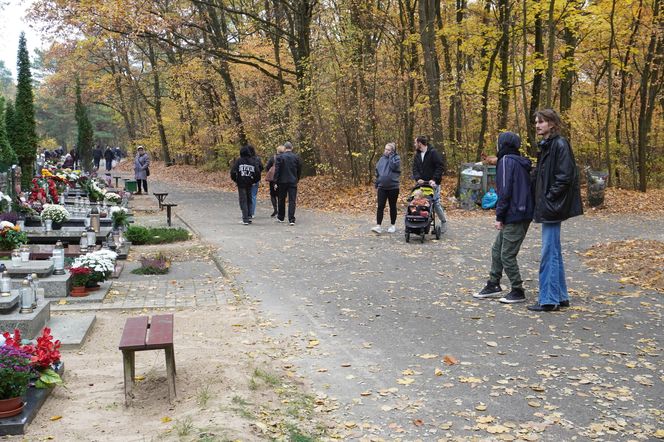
{"points": [[514, 297], [273, 214], [490, 290], [543, 308], [564, 304]]}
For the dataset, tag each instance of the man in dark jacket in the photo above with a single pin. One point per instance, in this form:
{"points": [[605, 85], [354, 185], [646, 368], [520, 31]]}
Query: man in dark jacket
{"points": [[109, 156], [96, 155], [557, 198], [245, 173], [428, 168], [288, 168], [514, 212]]}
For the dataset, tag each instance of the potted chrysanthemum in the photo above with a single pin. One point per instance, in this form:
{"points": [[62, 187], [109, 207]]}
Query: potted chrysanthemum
{"points": [[56, 214], [15, 375]]}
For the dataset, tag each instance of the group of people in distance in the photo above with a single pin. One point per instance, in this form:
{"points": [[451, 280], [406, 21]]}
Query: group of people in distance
{"points": [[283, 171], [549, 194]]}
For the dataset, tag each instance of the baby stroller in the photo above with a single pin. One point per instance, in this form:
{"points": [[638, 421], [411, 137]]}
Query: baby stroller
{"points": [[420, 215]]}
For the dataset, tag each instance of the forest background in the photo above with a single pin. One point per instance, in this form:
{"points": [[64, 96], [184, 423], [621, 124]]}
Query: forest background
{"points": [[194, 80]]}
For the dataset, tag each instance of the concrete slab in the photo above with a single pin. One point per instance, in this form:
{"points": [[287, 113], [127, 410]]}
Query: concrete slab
{"points": [[42, 268], [55, 286], [94, 296], [71, 330], [8, 303], [30, 324]]}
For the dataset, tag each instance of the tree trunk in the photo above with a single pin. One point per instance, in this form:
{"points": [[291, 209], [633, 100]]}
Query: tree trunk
{"points": [[503, 93], [550, 51], [609, 62], [157, 104], [648, 91], [432, 72], [537, 81], [485, 101], [411, 69]]}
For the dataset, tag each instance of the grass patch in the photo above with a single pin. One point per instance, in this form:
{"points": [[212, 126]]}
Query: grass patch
{"points": [[266, 377], [203, 396], [184, 427], [139, 235]]}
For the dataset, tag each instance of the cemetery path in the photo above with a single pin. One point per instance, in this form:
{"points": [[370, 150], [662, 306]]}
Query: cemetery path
{"points": [[396, 347]]}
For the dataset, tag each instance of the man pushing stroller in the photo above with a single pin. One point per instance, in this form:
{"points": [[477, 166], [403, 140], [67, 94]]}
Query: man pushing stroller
{"points": [[428, 167]]}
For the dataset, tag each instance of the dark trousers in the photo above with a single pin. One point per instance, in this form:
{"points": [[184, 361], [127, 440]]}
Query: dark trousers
{"points": [[244, 196], [109, 165], [383, 196], [273, 196], [96, 161], [145, 185], [290, 190]]}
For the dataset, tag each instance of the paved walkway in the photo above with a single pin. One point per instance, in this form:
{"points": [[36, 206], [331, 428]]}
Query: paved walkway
{"points": [[376, 318]]}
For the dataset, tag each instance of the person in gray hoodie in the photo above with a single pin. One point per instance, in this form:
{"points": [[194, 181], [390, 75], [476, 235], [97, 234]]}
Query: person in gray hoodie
{"points": [[514, 212], [388, 172]]}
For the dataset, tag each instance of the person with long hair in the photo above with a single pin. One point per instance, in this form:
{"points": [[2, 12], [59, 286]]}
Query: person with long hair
{"points": [[557, 198]]}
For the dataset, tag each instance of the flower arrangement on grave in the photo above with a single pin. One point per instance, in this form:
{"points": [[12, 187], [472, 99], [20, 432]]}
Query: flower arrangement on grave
{"points": [[15, 372], [5, 202], [55, 212], [119, 216], [60, 180], [112, 198], [43, 357], [80, 276], [25, 208], [44, 191], [101, 264], [11, 236], [95, 190]]}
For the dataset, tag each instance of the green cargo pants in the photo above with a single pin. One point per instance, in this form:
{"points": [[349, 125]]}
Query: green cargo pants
{"points": [[504, 251]]}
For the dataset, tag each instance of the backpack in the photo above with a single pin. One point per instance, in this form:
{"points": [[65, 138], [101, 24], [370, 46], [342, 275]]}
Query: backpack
{"points": [[489, 199]]}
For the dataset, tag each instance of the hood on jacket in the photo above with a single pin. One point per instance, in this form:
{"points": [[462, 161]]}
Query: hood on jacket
{"points": [[245, 152], [508, 143]]}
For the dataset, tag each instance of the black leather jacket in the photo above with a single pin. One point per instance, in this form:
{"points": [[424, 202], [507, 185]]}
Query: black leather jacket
{"points": [[557, 189]]}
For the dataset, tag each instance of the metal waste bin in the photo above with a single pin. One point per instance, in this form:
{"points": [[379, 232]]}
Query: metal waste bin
{"points": [[471, 178], [597, 181], [130, 186]]}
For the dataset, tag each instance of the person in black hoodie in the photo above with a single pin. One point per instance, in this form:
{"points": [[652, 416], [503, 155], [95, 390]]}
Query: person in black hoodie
{"points": [[428, 167], [245, 172], [514, 212], [288, 168], [557, 198]]}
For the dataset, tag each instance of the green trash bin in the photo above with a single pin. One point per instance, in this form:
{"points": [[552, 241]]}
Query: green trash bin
{"points": [[130, 186]]}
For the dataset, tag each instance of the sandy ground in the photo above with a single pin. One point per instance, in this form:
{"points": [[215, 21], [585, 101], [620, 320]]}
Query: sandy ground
{"points": [[232, 384]]}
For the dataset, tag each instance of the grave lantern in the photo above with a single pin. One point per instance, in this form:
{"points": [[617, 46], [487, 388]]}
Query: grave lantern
{"points": [[26, 297], [25, 253], [83, 243], [92, 239], [94, 219], [58, 259], [35, 286], [5, 284]]}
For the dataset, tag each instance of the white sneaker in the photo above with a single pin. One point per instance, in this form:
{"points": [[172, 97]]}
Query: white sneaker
{"points": [[377, 229], [392, 229]]}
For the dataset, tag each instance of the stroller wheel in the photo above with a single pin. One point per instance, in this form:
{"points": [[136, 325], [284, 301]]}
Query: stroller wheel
{"points": [[407, 236], [422, 238], [438, 232]]}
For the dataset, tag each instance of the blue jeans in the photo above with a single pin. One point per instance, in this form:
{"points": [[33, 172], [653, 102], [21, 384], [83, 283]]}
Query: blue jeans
{"points": [[437, 206], [254, 195], [552, 285]]}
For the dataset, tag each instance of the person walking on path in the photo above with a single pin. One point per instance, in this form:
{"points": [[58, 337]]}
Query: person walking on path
{"points": [[557, 198], [109, 156], [254, 188], [514, 212], [428, 168], [141, 169], [288, 168], [269, 177], [245, 172], [96, 156], [388, 172]]}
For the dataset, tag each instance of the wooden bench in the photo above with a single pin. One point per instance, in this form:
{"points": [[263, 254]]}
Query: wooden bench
{"points": [[160, 197], [144, 333], [168, 211]]}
